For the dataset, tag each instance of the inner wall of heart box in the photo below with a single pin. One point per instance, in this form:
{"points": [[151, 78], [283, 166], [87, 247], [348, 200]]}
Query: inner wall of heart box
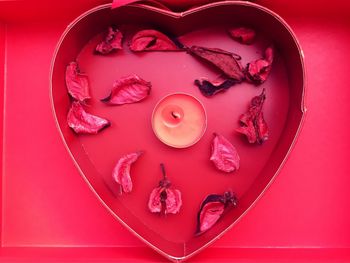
{"points": [[189, 169]]}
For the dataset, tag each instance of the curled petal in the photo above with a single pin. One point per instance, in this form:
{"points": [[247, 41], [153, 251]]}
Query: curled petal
{"points": [[210, 214], [225, 61], [121, 172], [258, 70], [252, 123], [154, 202], [269, 54], [224, 155], [212, 208], [128, 89], [209, 89], [112, 42], [82, 122], [164, 198], [77, 83], [153, 40], [173, 201], [243, 35]]}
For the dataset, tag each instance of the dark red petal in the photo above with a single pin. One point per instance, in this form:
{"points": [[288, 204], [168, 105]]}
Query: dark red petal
{"points": [[82, 122], [269, 54], [263, 129], [221, 59], [121, 172], [210, 214], [112, 42], [152, 40], [248, 130], [209, 89], [224, 155], [77, 83], [154, 202], [243, 35], [128, 89], [212, 208], [257, 71], [173, 201], [252, 123]]}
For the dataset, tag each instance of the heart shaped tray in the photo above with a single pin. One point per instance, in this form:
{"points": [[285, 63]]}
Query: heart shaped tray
{"points": [[95, 156]]}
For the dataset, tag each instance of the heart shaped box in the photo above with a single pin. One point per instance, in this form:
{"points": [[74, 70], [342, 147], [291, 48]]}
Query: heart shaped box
{"points": [[95, 156]]}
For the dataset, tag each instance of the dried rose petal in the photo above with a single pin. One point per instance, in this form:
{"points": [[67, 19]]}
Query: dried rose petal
{"points": [[121, 172], [112, 42], [224, 155], [212, 209], [128, 89], [252, 123], [153, 40], [164, 198], [226, 61], [82, 122], [77, 83], [209, 89], [243, 35], [258, 70]]}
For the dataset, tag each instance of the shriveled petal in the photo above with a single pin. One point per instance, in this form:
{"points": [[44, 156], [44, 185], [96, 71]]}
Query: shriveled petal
{"points": [[252, 123], [224, 155], [212, 209], [243, 35], [112, 42], [77, 83], [121, 172], [82, 122], [248, 130], [269, 54], [257, 71], [210, 214], [209, 89], [127, 90], [173, 201], [152, 40], [225, 61], [154, 202]]}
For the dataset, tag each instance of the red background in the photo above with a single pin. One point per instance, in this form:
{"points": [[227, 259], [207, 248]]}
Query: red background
{"points": [[49, 214]]}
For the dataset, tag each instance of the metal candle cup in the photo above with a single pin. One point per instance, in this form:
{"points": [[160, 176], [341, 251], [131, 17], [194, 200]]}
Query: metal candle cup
{"points": [[179, 120]]}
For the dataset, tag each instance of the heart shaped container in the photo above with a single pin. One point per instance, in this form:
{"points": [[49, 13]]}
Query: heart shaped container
{"points": [[95, 156]]}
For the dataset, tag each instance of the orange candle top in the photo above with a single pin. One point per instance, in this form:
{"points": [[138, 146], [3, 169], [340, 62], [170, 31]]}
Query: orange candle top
{"points": [[179, 120]]}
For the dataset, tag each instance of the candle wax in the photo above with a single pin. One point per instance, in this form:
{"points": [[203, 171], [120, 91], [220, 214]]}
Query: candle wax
{"points": [[179, 120]]}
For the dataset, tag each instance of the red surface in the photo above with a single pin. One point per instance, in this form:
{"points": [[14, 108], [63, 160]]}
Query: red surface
{"points": [[45, 203]]}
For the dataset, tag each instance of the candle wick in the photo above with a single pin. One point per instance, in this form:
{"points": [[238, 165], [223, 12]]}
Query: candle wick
{"points": [[175, 115]]}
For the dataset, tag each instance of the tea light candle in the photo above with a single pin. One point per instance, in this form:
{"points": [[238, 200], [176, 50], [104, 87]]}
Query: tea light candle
{"points": [[179, 120]]}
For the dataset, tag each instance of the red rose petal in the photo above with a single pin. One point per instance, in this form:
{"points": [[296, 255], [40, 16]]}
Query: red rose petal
{"points": [[210, 214], [164, 198], [209, 89], [127, 90], [257, 71], [121, 172], [77, 83], [112, 42], [243, 35], [152, 40], [225, 61], [82, 122], [252, 123], [224, 155], [212, 209], [173, 201], [155, 203]]}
